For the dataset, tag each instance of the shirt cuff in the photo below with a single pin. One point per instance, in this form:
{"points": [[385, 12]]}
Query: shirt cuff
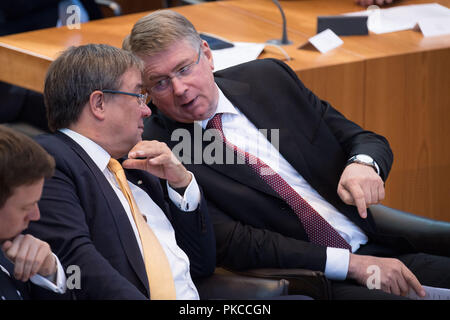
{"points": [[191, 198], [48, 282], [336, 267]]}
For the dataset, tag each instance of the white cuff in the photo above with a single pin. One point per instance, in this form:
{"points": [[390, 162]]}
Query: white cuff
{"points": [[191, 198], [336, 267], [47, 282]]}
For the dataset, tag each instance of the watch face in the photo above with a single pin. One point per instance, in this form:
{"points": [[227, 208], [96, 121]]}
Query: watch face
{"points": [[364, 158]]}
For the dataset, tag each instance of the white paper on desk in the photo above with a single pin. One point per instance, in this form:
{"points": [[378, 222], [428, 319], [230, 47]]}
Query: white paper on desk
{"points": [[240, 53], [434, 27], [432, 293], [402, 17], [326, 41]]}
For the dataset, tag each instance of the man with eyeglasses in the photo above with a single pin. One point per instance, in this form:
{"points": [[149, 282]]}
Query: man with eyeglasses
{"points": [[287, 178], [125, 211]]}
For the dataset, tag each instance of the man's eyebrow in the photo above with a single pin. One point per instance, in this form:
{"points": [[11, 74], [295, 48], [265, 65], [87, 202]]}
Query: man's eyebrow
{"points": [[28, 204], [181, 64]]}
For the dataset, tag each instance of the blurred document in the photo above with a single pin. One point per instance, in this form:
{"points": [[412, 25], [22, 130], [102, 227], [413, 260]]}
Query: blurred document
{"points": [[432, 293], [434, 27], [402, 17], [240, 53]]}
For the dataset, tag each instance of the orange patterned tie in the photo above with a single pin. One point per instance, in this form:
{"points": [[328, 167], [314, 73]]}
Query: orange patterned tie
{"points": [[159, 274]]}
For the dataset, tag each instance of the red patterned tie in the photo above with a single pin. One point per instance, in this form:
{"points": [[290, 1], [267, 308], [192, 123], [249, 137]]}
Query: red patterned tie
{"points": [[317, 228]]}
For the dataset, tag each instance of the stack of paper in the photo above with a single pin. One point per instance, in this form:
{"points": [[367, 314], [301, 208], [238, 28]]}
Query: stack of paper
{"points": [[240, 53], [432, 293], [433, 16]]}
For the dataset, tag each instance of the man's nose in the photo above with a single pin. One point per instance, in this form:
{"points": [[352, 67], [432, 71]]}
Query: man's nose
{"points": [[146, 111], [178, 86], [35, 214]]}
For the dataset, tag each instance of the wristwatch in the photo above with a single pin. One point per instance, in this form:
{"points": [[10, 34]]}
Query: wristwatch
{"points": [[366, 160]]}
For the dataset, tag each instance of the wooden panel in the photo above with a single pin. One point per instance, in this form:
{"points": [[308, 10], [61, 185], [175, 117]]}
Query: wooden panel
{"points": [[408, 101], [24, 69], [342, 86]]}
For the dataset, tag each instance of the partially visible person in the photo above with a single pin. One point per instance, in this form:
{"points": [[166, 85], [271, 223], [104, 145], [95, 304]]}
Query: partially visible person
{"points": [[367, 3], [16, 16], [23, 258], [106, 209]]}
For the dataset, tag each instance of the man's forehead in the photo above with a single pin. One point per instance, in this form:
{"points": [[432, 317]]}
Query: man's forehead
{"points": [[132, 78], [162, 62], [27, 194]]}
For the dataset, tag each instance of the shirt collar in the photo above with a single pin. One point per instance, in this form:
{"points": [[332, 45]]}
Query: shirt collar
{"points": [[223, 106], [99, 155]]}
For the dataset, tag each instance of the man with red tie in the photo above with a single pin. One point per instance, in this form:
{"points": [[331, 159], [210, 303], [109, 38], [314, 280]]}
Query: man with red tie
{"points": [[296, 178]]}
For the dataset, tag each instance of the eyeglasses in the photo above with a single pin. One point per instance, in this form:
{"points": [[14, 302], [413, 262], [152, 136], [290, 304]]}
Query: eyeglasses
{"points": [[142, 97], [163, 84]]}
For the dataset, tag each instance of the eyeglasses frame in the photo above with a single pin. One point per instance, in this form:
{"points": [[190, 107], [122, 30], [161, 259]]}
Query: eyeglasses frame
{"points": [[177, 73], [142, 97]]}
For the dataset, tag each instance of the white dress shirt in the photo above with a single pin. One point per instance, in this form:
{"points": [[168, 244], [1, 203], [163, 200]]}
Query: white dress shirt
{"points": [[242, 133], [56, 283], [156, 219]]}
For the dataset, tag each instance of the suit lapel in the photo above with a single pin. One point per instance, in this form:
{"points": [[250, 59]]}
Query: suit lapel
{"points": [[123, 226]]}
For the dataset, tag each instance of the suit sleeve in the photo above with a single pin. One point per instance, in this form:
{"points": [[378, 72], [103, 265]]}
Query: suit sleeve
{"points": [[241, 246], [65, 227], [353, 139]]}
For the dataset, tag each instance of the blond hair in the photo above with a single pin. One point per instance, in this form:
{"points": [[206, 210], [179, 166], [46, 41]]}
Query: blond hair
{"points": [[158, 30]]}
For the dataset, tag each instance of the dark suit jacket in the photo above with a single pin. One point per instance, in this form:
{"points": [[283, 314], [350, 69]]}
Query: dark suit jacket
{"points": [[85, 224], [254, 227], [10, 288]]}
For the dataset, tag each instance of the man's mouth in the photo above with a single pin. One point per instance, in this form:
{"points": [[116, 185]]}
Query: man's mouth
{"points": [[189, 104]]}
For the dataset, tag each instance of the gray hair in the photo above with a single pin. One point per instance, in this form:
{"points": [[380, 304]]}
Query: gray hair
{"points": [[79, 71], [160, 29]]}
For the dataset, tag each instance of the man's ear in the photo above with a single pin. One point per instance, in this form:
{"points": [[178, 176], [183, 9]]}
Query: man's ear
{"points": [[97, 104], [208, 54]]}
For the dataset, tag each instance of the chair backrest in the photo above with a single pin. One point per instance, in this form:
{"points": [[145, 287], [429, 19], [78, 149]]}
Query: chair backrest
{"points": [[427, 235], [224, 284]]}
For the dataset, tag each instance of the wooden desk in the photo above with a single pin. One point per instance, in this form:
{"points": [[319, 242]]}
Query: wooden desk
{"points": [[395, 84]]}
